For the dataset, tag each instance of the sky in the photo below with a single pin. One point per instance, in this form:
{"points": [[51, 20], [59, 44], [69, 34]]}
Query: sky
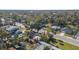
{"points": [[39, 4]]}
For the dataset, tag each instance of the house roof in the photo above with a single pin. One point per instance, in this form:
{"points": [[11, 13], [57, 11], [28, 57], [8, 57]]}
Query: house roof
{"points": [[56, 27], [68, 30], [37, 37], [77, 35], [11, 28], [2, 19], [18, 32], [11, 48]]}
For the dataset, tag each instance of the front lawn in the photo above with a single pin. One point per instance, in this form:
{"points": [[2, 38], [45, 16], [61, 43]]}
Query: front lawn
{"points": [[65, 46]]}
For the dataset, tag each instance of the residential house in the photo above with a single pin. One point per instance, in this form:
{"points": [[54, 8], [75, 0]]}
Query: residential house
{"points": [[66, 30], [56, 27], [14, 31], [11, 48], [77, 36], [20, 26], [43, 31], [36, 38], [2, 21]]}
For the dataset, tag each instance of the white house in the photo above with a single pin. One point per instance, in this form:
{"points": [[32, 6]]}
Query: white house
{"points": [[3, 21], [43, 31], [21, 26], [55, 27], [37, 38]]}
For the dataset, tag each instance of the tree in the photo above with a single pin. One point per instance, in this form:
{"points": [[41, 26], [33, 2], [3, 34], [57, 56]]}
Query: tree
{"points": [[4, 34], [46, 48]]}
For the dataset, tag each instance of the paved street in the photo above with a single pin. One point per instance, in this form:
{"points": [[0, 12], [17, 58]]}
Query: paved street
{"points": [[40, 47], [43, 44], [67, 39]]}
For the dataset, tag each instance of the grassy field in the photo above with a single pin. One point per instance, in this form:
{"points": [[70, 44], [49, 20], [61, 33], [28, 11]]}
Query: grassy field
{"points": [[65, 46]]}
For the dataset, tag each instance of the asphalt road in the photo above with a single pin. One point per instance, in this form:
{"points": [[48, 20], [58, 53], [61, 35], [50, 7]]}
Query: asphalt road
{"points": [[67, 39], [40, 47], [43, 44]]}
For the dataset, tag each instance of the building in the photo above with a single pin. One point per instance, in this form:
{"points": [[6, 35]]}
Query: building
{"points": [[77, 36], [55, 27], [43, 31], [2, 21], [14, 31], [20, 26], [66, 30], [11, 48], [37, 38]]}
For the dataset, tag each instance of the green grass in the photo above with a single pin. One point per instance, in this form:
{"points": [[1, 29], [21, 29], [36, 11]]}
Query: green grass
{"points": [[68, 35], [49, 29], [73, 27], [65, 46]]}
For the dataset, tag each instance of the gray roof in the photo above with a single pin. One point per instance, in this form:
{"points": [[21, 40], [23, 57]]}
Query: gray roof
{"points": [[56, 27], [11, 28]]}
